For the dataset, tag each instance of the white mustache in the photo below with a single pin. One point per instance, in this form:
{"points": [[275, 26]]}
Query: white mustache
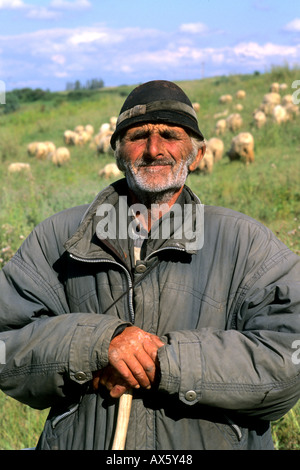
{"points": [[162, 162]]}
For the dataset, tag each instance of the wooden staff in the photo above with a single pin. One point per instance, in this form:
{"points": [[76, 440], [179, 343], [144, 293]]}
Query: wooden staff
{"points": [[122, 421]]}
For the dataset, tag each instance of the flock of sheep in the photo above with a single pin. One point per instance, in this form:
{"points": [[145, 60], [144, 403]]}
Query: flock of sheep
{"points": [[273, 107]]}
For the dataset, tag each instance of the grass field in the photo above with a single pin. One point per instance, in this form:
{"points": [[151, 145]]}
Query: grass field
{"points": [[267, 190]]}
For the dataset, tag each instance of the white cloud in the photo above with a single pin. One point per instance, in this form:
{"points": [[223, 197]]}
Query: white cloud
{"points": [[58, 59], [69, 5], [256, 51], [41, 13], [129, 55], [11, 4], [85, 37], [293, 26], [193, 28]]}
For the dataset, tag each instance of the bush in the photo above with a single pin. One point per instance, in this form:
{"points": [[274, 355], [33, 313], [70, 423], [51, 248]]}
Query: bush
{"points": [[12, 103]]}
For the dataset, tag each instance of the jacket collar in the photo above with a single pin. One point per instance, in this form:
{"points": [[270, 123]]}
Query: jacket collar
{"points": [[105, 212]]}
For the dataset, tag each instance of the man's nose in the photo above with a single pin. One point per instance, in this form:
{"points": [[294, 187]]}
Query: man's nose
{"points": [[154, 145]]}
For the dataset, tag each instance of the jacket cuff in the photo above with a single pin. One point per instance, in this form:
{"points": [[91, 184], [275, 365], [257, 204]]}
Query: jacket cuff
{"points": [[89, 346], [175, 367]]}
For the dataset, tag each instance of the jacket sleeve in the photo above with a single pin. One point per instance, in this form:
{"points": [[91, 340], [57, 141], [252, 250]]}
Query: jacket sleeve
{"points": [[253, 367], [48, 352]]}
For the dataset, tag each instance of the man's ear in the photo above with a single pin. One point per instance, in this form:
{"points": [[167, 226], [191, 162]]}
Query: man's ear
{"points": [[199, 156]]}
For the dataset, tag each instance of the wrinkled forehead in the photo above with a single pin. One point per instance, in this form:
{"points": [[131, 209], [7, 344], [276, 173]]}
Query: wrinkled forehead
{"points": [[154, 128]]}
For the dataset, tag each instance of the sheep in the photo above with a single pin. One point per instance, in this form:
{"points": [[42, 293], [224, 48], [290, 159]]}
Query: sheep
{"points": [[279, 114], [102, 139], [89, 129], [242, 148], [104, 127], [234, 122], [113, 123], [221, 115], [83, 138], [31, 149], [206, 164], [217, 147], [292, 110], [61, 156], [220, 126], [283, 86], [240, 94], [286, 100], [239, 107], [40, 150], [259, 119], [275, 87], [71, 137], [103, 145], [78, 129], [225, 99], [196, 107], [51, 147], [19, 167], [270, 100], [110, 170]]}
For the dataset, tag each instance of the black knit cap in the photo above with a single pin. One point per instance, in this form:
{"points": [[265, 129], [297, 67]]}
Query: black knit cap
{"points": [[157, 101]]}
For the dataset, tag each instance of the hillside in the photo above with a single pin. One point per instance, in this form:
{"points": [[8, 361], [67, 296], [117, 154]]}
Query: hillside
{"points": [[267, 189]]}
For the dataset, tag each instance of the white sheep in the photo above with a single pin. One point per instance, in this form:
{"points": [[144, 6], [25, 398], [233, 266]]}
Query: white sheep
{"points": [[196, 107], [40, 150], [103, 145], [79, 128], [292, 110], [61, 156], [240, 94], [275, 87], [207, 163], [279, 114], [234, 122], [220, 127], [225, 99], [286, 100], [283, 86], [110, 171], [239, 107], [89, 129], [113, 122], [71, 137], [19, 167], [270, 100], [217, 147], [242, 148], [260, 119]]}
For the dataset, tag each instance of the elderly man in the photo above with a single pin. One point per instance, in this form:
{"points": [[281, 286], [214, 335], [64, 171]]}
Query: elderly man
{"points": [[201, 322]]}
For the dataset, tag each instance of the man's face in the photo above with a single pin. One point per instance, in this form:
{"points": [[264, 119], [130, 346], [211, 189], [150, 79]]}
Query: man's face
{"points": [[156, 157]]}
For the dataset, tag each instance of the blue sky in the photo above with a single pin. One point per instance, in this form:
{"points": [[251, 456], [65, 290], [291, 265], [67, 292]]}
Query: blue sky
{"points": [[48, 43]]}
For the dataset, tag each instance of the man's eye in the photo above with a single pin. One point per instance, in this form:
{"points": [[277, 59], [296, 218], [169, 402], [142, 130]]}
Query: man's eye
{"points": [[138, 136], [169, 135]]}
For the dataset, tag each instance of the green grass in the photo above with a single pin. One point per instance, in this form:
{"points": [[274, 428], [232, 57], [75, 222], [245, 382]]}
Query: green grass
{"points": [[267, 190]]}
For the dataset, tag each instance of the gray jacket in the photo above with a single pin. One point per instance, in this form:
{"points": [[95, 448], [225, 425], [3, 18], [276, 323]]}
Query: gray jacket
{"points": [[228, 314]]}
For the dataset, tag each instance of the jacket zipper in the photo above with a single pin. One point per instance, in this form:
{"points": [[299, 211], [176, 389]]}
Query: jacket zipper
{"points": [[130, 292], [64, 415], [163, 249], [234, 427]]}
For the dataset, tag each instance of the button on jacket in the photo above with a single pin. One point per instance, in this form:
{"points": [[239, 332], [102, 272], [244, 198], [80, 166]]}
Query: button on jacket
{"points": [[228, 314]]}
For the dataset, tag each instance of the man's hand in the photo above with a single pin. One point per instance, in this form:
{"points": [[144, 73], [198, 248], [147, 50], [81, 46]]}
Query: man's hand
{"points": [[132, 362]]}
